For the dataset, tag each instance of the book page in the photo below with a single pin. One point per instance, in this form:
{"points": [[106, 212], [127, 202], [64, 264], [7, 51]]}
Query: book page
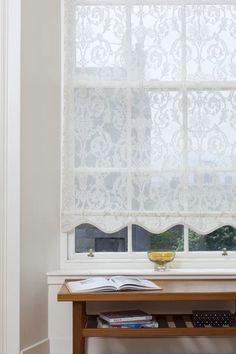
{"points": [[123, 282], [90, 284]]}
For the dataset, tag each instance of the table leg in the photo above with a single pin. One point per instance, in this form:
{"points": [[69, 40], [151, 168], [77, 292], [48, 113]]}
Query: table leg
{"points": [[79, 322]]}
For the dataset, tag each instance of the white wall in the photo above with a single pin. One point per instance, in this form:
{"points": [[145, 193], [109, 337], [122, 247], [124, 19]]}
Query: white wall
{"points": [[40, 153]]}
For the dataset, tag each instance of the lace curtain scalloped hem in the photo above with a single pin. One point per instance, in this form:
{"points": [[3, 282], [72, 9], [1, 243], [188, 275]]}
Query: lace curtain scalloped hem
{"points": [[155, 224]]}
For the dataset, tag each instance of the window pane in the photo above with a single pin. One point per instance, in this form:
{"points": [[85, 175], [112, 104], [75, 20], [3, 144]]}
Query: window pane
{"points": [[157, 191], [157, 123], [212, 129], [172, 239], [100, 127], [100, 190], [100, 37], [89, 237], [224, 237], [211, 42], [156, 42], [212, 191]]}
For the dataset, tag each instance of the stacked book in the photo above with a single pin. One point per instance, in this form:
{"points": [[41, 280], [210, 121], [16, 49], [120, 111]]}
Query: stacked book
{"points": [[126, 319]]}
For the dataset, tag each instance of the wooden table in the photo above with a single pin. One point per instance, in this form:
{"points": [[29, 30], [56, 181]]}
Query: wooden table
{"points": [[182, 290]]}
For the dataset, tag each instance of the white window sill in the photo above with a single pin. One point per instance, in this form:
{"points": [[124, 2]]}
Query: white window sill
{"points": [[58, 276]]}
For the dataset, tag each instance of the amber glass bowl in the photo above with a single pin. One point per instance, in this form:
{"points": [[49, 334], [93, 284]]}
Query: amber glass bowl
{"points": [[161, 258]]}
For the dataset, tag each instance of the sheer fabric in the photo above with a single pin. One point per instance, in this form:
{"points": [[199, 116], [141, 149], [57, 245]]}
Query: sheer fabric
{"points": [[149, 131]]}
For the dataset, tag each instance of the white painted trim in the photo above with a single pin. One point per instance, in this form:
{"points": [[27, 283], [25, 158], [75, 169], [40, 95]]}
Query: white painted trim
{"points": [[138, 261], [58, 277], [9, 175], [2, 181], [158, 2], [63, 239], [46, 340]]}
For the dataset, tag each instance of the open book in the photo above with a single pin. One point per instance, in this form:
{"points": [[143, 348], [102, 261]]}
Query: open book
{"points": [[115, 283]]}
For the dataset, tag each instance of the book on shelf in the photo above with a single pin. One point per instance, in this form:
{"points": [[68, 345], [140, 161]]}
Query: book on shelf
{"points": [[126, 316], [104, 324], [211, 318], [115, 283]]}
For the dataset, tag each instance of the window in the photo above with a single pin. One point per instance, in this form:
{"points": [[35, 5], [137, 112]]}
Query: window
{"points": [[88, 237], [172, 239], [224, 237], [149, 129]]}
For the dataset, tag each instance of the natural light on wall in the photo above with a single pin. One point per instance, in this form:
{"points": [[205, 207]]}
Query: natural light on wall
{"points": [[149, 128]]}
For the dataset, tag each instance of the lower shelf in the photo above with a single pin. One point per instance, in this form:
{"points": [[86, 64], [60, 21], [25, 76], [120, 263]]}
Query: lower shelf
{"points": [[169, 326]]}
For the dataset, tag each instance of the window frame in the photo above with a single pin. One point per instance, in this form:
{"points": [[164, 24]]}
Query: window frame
{"points": [[206, 259], [133, 260], [138, 262]]}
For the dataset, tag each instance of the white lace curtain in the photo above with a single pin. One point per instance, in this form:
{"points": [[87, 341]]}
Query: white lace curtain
{"points": [[149, 132]]}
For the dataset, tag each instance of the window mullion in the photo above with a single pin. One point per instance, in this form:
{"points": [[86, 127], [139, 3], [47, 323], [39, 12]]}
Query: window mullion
{"points": [[155, 84], [128, 53], [69, 63], [185, 123], [186, 240], [130, 244], [157, 2]]}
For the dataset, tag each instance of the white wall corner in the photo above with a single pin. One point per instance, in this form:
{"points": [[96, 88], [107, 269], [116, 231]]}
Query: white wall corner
{"points": [[9, 175]]}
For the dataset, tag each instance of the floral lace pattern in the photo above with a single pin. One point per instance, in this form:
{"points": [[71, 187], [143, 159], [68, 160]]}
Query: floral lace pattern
{"points": [[100, 128], [211, 38], [149, 131], [156, 42], [100, 34], [212, 129], [157, 127]]}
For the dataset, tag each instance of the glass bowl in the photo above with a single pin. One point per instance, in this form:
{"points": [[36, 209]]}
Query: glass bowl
{"points": [[161, 258]]}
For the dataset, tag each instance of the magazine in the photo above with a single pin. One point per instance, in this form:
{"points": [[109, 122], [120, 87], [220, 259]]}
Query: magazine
{"points": [[104, 324], [115, 283], [126, 316]]}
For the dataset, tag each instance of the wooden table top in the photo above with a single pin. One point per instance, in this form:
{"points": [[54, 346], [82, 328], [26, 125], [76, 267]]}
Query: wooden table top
{"points": [[172, 290]]}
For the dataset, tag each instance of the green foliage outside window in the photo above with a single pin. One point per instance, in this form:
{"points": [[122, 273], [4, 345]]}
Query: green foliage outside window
{"points": [[170, 240], [224, 237]]}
